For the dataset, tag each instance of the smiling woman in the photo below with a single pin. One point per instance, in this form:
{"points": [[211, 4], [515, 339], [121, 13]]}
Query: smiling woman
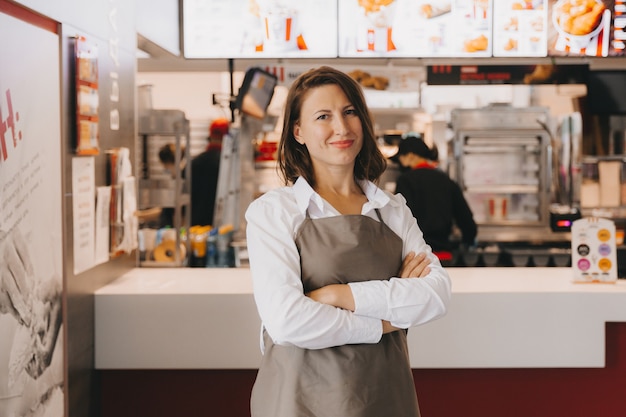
{"points": [[330, 129], [340, 269]]}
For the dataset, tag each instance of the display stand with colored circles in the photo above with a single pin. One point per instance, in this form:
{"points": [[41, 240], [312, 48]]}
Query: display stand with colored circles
{"points": [[594, 253]]}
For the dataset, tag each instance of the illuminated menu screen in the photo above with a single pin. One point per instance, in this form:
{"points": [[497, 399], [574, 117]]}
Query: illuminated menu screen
{"points": [[403, 28], [586, 28], [415, 28], [260, 28]]}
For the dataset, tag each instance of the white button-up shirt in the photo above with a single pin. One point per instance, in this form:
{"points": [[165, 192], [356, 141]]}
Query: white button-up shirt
{"points": [[290, 317]]}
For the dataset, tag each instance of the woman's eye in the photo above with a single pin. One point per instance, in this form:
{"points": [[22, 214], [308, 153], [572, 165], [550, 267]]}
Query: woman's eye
{"points": [[351, 111], [322, 117]]}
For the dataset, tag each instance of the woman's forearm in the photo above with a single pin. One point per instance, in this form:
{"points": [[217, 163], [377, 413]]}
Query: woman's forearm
{"points": [[337, 295], [340, 295]]}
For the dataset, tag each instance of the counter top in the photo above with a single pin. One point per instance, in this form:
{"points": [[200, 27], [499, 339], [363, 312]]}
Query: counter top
{"points": [[205, 318]]}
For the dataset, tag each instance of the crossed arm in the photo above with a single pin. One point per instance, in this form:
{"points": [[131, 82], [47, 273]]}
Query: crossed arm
{"points": [[340, 295]]}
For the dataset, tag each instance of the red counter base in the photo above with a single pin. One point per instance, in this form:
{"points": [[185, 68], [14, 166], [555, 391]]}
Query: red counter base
{"points": [[442, 392]]}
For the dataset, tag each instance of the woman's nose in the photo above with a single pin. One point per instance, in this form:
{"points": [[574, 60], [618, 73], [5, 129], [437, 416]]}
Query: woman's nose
{"points": [[341, 126]]}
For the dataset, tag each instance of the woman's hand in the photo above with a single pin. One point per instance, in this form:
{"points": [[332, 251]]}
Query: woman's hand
{"points": [[337, 295], [388, 327], [414, 266]]}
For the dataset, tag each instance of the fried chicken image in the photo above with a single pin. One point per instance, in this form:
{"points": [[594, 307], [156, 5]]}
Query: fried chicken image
{"points": [[579, 17], [477, 44], [510, 45], [372, 6]]}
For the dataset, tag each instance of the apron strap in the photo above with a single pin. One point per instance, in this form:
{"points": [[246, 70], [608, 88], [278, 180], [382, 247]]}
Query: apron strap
{"points": [[380, 218]]}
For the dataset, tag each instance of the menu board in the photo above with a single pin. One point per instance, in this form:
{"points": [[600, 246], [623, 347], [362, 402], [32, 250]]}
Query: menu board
{"points": [[260, 28], [415, 28], [586, 27], [520, 28]]}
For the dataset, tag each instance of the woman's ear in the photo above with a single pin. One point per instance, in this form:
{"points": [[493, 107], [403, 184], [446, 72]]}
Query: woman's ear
{"points": [[296, 134]]}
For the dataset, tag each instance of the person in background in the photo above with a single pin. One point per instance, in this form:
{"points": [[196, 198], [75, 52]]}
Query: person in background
{"points": [[339, 267], [435, 200], [205, 168], [158, 217], [167, 156]]}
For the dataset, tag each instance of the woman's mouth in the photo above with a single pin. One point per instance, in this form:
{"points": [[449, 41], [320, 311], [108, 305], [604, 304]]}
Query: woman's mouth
{"points": [[342, 144]]}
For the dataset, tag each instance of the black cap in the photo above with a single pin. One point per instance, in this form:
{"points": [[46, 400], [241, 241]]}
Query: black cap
{"points": [[413, 144]]}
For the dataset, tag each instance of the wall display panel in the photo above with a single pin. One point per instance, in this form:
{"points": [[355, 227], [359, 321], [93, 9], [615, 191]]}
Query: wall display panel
{"points": [[410, 28], [586, 27], [520, 28], [31, 235], [260, 28]]}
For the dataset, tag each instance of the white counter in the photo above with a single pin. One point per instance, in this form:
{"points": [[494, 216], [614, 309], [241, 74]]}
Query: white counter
{"points": [[197, 318]]}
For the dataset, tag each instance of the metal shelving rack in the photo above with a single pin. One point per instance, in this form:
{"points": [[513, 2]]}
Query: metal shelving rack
{"points": [[171, 192]]}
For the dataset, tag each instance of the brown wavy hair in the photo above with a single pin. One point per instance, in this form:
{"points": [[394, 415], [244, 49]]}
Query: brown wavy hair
{"points": [[294, 159]]}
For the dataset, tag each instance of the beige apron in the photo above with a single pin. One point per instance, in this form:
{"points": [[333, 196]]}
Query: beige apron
{"points": [[361, 380]]}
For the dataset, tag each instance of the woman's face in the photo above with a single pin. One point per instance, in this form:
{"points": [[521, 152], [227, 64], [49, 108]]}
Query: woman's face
{"points": [[330, 128]]}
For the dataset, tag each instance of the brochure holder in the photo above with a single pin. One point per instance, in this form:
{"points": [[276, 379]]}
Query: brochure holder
{"points": [[594, 253]]}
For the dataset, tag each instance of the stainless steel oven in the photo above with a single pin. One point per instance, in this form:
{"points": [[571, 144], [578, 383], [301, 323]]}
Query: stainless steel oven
{"points": [[503, 162]]}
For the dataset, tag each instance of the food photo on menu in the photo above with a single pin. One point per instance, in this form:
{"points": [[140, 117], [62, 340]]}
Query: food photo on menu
{"points": [[520, 28], [415, 28], [260, 28], [586, 27]]}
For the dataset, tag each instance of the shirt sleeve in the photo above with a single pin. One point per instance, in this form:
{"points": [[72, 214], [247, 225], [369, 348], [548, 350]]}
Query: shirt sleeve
{"points": [[289, 317], [405, 302]]}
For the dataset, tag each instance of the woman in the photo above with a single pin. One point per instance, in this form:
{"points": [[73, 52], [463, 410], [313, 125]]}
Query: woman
{"points": [[335, 275]]}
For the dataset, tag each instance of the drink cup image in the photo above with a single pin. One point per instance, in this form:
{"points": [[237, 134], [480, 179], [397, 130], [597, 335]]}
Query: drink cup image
{"points": [[281, 26], [375, 26]]}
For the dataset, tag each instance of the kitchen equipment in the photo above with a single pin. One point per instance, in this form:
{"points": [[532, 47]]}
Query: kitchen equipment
{"points": [[171, 191], [503, 162]]}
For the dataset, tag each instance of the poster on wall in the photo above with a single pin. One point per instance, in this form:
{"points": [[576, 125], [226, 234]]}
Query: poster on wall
{"points": [[594, 28], [415, 28], [87, 99], [260, 28], [31, 270]]}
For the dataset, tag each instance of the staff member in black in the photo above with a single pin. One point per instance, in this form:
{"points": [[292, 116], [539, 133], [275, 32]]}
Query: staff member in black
{"points": [[205, 168], [435, 200]]}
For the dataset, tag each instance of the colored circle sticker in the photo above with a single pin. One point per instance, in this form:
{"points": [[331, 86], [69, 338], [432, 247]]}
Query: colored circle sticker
{"points": [[584, 264], [604, 235], [604, 249], [583, 250], [604, 264]]}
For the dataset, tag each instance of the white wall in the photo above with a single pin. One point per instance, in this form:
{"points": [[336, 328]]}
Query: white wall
{"points": [[192, 93]]}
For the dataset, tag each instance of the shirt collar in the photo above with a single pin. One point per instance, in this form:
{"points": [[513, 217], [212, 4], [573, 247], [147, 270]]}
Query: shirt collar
{"points": [[305, 195]]}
